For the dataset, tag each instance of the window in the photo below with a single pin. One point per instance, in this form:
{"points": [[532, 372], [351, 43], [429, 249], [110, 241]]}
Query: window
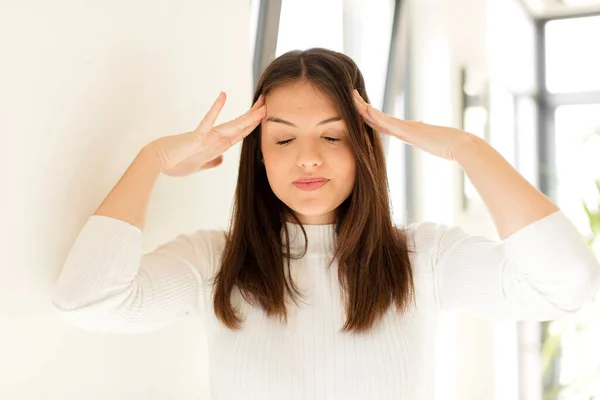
{"points": [[572, 127], [254, 11], [310, 23], [577, 144], [572, 56]]}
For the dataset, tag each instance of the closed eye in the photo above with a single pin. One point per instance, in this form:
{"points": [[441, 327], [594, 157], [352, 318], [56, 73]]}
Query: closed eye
{"points": [[329, 139]]}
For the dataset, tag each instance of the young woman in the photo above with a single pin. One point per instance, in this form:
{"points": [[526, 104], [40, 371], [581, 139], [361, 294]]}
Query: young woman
{"points": [[313, 293]]}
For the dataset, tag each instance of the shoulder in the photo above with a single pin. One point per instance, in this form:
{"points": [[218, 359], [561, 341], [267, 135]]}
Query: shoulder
{"points": [[208, 239], [202, 248], [437, 241], [210, 244], [424, 236], [427, 240]]}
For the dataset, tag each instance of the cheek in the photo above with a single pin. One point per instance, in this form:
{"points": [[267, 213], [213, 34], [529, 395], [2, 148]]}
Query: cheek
{"points": [[347, 162], [275, 161], [347, 169], [276, 168]]}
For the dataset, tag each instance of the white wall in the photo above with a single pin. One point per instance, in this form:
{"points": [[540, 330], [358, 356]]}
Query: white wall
{"points": [[83, 85]]}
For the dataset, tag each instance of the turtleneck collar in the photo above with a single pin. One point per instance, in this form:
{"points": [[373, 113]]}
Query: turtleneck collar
{"points": [[321, 239]]}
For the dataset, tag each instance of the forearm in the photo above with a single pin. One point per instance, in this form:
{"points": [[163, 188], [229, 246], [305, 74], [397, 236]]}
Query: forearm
{"points": [[512, 201], [128, 200]]}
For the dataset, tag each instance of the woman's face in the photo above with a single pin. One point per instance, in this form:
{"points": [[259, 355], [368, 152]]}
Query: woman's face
{"points": [[303, 136]]}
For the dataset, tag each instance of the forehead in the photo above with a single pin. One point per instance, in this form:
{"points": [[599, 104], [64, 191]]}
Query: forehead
{"points": [[300, 98]]}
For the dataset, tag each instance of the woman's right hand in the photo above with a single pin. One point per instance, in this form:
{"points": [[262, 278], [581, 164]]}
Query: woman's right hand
{"points": [[187, 153]]}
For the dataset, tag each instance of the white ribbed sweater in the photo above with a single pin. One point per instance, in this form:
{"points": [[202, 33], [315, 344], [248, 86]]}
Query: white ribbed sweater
{"points": [[544, 271]]}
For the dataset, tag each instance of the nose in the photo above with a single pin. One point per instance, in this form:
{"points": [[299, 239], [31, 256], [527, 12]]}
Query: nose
{"points": [[309, 157]]}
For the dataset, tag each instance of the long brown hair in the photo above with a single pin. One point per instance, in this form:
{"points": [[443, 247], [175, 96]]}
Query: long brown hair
{"points": [[374, 268]]}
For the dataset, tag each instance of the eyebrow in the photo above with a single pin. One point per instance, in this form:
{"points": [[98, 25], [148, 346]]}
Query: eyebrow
{"points": [[283, 121]]}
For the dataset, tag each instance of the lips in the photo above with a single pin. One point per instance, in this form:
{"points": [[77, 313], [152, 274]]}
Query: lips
{"points": [[310, 184], [311, 180]]}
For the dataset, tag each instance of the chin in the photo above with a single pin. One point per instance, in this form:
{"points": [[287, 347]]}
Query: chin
{"points": [[312, 211]]}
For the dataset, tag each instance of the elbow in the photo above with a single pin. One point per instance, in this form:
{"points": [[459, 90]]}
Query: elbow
{"points": [[95, 320], [92, 307], [61, 301], [582, 277], [590, 283], [75, 313], [76, 317], [70, 299], [581, 289], [100, 316], [577, 297], [114, 313]]}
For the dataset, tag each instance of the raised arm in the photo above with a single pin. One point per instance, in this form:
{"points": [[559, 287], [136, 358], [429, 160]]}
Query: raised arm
{"points": [[106, 284], [541, 272]]}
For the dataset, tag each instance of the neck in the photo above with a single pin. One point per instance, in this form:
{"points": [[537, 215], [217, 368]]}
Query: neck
{"points": [[321, 238]]}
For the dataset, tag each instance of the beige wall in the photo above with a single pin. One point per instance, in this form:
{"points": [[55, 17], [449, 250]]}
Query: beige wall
{"points": [[83, 85]]}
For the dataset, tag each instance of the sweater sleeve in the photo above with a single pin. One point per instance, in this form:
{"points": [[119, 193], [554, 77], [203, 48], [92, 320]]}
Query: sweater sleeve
{"points": [[542, 272], [107, 285]]}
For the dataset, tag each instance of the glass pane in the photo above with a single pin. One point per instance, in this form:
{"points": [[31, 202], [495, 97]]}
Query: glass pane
{"points": [[310, 23], [527, 142], [578, 166], [368, 33], [254, 10], [502, 121], [475, 122], [396, 170], [577, 159], [511, 52], [572, 56]]}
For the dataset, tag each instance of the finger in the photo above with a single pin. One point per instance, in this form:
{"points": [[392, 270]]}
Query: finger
{"points": [[213, 163], [233, 140], [362, 108], [376, 126], [233, 128], [380, 117], [361, 105], [245, 132], [211, 116], [375, 118], [259, 103]]}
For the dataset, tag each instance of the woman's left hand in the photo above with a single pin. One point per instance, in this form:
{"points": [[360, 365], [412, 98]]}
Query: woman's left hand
{"points": [[440, 141]]}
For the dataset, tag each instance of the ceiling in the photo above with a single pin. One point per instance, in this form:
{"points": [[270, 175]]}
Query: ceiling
{"points": [[550, 8]]}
